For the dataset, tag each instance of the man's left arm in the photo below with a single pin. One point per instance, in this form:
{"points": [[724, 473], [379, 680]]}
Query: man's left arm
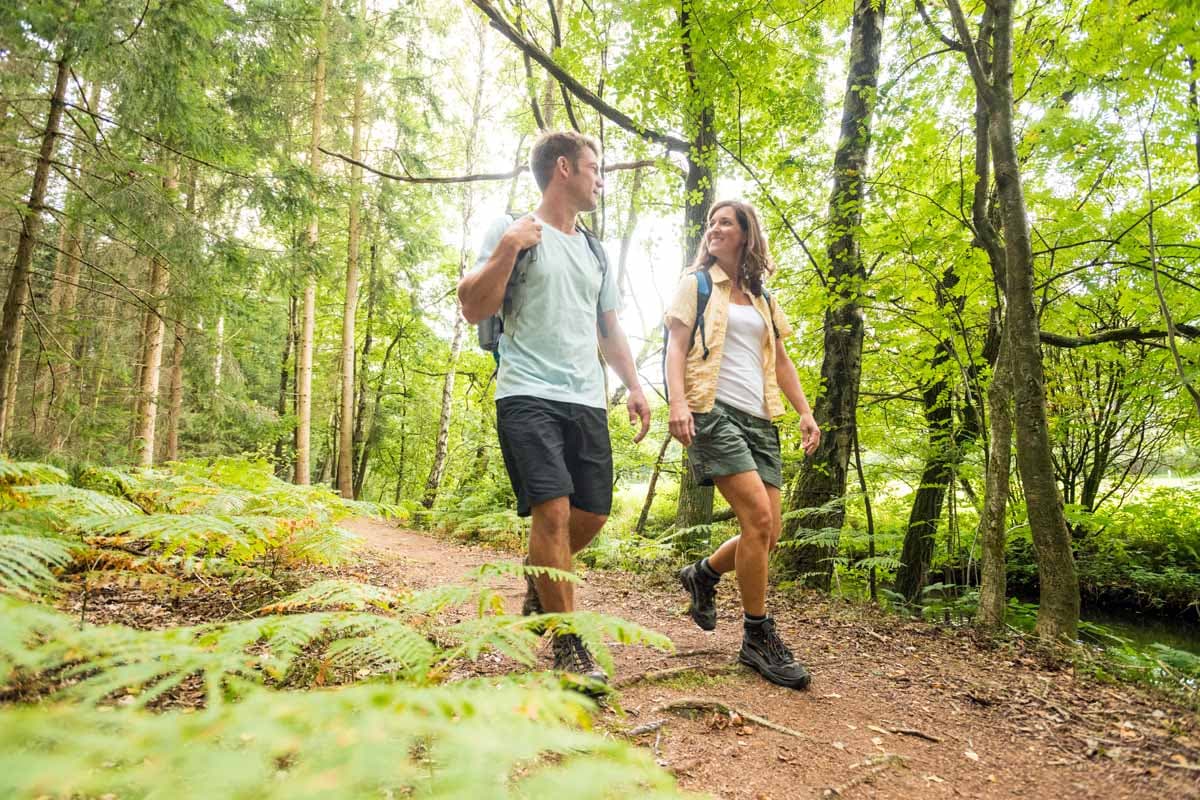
{"points": [[615, 349]]}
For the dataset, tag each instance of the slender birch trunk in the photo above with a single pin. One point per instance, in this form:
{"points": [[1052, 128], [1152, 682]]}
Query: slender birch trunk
{"points": [[345, 472], [305, 347], [154, 330], [441, 448]]}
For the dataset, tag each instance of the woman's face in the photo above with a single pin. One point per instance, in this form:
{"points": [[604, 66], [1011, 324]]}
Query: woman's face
{"points": [[724, 236]]}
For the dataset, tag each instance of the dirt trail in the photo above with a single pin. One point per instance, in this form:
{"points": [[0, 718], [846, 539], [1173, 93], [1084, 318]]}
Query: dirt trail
{"points": [[897, 709]]}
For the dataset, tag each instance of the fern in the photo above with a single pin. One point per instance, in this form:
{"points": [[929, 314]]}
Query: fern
{"points": [[339, 594], [24, 473], [820, 537], [499, 740], [73, 503], [27, 562]]}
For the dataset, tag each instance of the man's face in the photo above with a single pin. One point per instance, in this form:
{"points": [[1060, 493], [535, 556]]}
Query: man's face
{"points": [[584, 181]]}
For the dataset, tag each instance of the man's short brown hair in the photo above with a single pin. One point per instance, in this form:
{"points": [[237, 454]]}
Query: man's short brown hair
{"points": [[552, 146]]}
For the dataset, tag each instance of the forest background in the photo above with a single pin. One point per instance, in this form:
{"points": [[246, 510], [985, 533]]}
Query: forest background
{"points": [[236, 229]]}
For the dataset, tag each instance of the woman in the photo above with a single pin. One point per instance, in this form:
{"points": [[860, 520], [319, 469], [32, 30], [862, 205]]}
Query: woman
{"points": [[724, 375]]}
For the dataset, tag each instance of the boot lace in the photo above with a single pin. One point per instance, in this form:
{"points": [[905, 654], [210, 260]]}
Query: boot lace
{"points": [[775, 646]]}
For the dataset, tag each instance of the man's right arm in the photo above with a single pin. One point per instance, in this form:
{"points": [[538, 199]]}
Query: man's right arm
{"points": [[481, 291]]}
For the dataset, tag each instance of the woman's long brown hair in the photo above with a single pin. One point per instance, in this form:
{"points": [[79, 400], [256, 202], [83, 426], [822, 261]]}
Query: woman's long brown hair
{"points": [[756, 262]]}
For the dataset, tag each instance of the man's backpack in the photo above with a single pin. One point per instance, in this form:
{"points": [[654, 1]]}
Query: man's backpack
{"points": [[490, 329], [704, 287]]}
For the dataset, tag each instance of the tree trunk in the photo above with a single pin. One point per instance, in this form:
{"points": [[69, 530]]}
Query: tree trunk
{"points": [[14, 376], [175, 410], [281, 407], [442, 445], [821, 483], [368, 340], [219, 359], [992, 531], [640, 528], [1058, 611], [305, 347], [31, 221], [345, 473], [154, 330], [917, 553], [695, 501]]}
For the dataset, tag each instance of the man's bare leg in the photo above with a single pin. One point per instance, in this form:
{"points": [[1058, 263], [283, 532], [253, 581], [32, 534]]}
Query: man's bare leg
{"points": [[550, 546], [584, 527]]}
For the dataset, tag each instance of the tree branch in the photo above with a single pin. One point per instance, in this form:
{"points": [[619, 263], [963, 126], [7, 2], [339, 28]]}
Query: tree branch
{"points": [[953, 44], [479, 177], [1134, 333], [576, 88]]}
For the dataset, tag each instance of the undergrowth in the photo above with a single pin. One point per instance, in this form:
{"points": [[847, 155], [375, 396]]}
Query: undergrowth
{"points": [[339, 689]]}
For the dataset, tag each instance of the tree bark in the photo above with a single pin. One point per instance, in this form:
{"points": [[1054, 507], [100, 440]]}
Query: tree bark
{"points": [[303, 468], [821, 483], [640, 528], [154, 331], [363, 368], [1058, 611], [281, 407], [345, 473], [695, 501], [219, 359], [441, 447], [175, 410], [992, 530], [31, 221], [917, 553]]}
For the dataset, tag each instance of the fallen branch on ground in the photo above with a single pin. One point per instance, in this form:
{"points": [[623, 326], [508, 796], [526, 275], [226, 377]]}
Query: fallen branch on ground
{"points": [[697, 704], [875, 768]]}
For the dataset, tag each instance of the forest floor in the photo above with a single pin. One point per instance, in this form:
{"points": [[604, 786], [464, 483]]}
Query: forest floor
{"points": [[897, 708]]}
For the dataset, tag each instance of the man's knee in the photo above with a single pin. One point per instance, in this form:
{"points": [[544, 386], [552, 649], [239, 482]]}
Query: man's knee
{"points": [[758, 525], [552, 518]]}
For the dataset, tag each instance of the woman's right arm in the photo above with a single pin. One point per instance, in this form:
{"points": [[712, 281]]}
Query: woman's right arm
{"points": [[680, 422]]}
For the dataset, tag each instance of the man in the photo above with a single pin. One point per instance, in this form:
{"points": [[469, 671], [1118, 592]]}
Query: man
{"points": [[551, 409]]}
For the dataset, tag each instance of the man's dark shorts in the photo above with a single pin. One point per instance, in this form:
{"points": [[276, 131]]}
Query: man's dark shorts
{"points": [[553, 449], [729, 441]]}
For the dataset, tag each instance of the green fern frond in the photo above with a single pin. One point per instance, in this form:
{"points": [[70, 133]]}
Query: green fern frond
{"points": [[176, 533], [497, 740], [820, 537], [27, 562], [386, 647], [515, 569], [335, 594], [326, 544], [28, 473], [830, 507], [513, 636], [73, 502], [878, 562]]}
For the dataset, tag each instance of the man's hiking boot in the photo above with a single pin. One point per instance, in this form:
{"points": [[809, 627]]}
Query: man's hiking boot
{"points": [[703, 590], [533, 603], [763, 651], [571, 655]]}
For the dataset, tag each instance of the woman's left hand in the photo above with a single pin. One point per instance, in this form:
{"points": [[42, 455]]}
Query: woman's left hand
{"points": [[810, 434]]}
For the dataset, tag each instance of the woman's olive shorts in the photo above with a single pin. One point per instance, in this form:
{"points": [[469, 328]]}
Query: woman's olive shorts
{"points": [[729, 441]]}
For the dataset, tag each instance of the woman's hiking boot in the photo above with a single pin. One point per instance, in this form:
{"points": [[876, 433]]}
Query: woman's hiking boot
{"points": [[533, 603], [571, 655], [764, 652], [703, 589]]}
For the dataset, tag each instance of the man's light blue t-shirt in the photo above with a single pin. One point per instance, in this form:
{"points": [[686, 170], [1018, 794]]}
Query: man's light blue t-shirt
{"points": [[548, 348]]}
